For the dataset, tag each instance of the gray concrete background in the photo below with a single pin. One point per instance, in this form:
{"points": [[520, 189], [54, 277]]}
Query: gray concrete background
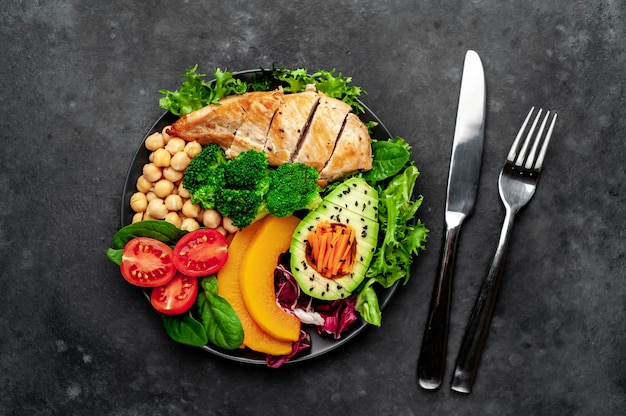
{"points": [[79, 88]]}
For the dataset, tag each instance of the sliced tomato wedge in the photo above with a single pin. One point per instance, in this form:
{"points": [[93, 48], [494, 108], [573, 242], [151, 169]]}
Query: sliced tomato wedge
{"points": [[176, 296], [147, 262], [201, 252]]}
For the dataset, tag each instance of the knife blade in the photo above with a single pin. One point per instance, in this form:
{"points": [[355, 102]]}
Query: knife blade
{"points": [[464, 173]]}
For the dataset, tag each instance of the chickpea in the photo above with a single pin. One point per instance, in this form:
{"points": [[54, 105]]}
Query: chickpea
{"points": [[150, 196], [138, 202], [163, 188], [175, 145], [192, 149], [228, 225], [172, 174], [137, 217], [157, 209], [152, 172], [154, 141], [161, 158], [173, 202], [221, 230], [189, 224], [151, 157], [183, 192], [180, 161], [173, 218], [146, 216], [165, 134], [191, 210], [143, 185], [211, 218]]}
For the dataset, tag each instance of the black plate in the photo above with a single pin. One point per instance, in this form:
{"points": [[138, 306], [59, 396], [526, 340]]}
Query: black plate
{"points": [[319, 344]]}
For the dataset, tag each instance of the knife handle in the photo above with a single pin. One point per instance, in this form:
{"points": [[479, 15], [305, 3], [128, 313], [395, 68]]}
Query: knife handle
{"points": [[432, 357]]}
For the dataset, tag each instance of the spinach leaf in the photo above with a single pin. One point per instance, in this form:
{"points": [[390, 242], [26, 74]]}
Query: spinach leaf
{"points": [[157, 229], [186, 330], [390, 157], [222, 324], [115, 255], [209, 285]]}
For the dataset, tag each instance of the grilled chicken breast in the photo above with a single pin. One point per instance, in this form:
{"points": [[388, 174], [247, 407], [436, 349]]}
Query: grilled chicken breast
{"points": [[322, 132], [252, 132], [308, 127], [213, 123], [352, 152], [288, 126]]}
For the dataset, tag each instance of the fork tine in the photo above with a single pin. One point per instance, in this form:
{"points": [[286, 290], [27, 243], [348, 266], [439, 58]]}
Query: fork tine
{"points": [[544, 148], [513, 150], [522, 153], [531, 156]]}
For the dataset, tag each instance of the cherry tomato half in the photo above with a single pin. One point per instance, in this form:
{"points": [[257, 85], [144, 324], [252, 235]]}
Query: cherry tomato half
{"points": [[147, 262], [176, 296], [201, 252]]}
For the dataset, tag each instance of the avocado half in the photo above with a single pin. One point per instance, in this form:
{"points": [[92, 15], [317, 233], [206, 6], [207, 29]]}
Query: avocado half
{"points": [[354, 204]]}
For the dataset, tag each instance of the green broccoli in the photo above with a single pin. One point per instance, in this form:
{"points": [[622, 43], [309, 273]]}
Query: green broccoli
{"points": [[246, 182], [246, 189], [204, 175], [248, 170], [242, 206], [292, 187]]}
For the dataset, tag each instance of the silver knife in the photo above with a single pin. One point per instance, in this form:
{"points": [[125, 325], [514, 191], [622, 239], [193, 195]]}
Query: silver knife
{"points": [[466, 159]]}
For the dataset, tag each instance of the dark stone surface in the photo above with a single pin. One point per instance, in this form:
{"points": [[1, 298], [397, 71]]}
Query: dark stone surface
{"points": [[79, 87]]}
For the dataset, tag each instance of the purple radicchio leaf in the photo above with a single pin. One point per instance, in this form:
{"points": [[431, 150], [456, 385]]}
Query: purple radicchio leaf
{"points": [[338, 316], [290, 298], [302, 344]]}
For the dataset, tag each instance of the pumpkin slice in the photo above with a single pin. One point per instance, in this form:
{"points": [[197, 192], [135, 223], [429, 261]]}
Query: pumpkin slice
{"points": [[257, 277], [228, 287]]}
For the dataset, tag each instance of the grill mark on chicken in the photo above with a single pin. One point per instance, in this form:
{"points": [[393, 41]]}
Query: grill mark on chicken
{"points": [[319, 141], [289, 126], [322, 181], [352, 152], [252, 133]]}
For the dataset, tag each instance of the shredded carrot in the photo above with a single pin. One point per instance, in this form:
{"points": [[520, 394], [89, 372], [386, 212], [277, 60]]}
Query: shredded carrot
{"points": [[330, 249]]}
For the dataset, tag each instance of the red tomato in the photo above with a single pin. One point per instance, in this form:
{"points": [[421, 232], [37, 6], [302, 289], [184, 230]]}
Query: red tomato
{"points": [[201, 252], [176, 296], [147, 262]]}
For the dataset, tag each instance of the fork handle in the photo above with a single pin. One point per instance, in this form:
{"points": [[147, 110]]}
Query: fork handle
{"points": [[432, 357], [480, 319]]}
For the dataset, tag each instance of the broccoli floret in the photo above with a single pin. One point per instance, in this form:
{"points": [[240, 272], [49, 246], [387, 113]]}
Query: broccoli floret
{"points": [[206, 195], [292, 187], [246, 182], [202, 168], [242, 206], [246, 171]]}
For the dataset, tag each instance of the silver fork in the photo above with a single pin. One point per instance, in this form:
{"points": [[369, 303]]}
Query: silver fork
{"points": [[517, 183]]}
